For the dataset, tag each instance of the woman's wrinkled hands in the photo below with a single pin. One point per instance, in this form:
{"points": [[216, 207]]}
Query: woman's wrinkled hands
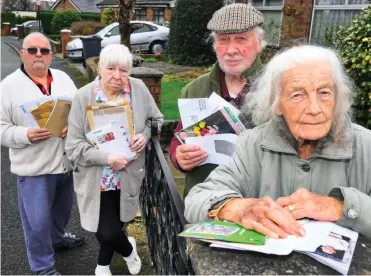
{"points": [[305, 204], [263, 215], [117, 162], [138, 143]]}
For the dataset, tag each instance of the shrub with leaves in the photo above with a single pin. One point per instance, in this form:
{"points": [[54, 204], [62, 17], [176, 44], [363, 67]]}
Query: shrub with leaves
{"points": [[86, 27], [64, 19], [355, 51], [188, 32], [109, 16]]}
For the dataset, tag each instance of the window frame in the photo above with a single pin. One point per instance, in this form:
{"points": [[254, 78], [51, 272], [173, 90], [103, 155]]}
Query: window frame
{"points": [[346, 6], [155, 15], [264, 7], [140, 14]]}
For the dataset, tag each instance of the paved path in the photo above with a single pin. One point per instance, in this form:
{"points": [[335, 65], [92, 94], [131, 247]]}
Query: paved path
{"points": [[81, 261]]}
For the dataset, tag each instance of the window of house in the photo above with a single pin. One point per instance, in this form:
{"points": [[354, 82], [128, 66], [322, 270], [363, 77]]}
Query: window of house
{"points": [[329, 14], [140, 14], [272, 12], [158, 14]]}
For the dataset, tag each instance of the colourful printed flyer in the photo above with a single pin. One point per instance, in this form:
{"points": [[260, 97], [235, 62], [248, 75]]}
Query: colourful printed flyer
{"points": [[224, 231]]}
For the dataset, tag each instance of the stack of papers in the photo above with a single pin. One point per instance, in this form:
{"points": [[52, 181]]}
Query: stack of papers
{"points": [[48, 112], [326, 242], [224, 231], [112, 139], [211, 123], [112, 128]]}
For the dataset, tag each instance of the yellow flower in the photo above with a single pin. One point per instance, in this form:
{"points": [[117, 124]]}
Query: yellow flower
{"points": [[202, 124], [196, 130]]}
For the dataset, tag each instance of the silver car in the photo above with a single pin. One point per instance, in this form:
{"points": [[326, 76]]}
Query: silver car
{"points": [[146, 37], [33, 24]]}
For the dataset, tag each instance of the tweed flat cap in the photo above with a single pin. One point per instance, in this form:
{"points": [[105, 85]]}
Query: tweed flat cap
{"points": [[235, 18]]}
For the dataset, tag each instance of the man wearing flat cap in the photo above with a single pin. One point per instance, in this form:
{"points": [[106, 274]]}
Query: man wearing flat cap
{"points": [[238, 40]]}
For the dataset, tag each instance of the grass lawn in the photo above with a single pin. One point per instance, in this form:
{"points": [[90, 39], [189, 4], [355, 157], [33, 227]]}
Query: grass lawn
{"points": [[170, 93], [171, 87]]}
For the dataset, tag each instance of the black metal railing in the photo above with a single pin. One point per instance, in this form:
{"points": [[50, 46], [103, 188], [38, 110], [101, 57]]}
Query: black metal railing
{"points": [[162, 213]]}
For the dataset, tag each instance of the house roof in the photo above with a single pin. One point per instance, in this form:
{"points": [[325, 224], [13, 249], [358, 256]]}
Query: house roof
{"points": [[82, 5], [139, 3]]}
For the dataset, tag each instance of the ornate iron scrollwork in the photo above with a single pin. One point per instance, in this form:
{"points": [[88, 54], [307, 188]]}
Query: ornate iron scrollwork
{"points": [[162, 213]]}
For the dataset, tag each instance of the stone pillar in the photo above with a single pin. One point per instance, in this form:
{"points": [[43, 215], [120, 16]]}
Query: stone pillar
{"points": [[6, 28], [65, 38], [20, 31], [296, 19], [152, 79]]}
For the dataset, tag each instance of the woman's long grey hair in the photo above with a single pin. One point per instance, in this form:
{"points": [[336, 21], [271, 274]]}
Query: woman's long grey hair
{"points": [[261, 102]]}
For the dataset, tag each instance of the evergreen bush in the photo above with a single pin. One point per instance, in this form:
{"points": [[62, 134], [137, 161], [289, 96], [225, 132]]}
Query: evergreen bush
{"points": [[354, 45], [188, 32]]}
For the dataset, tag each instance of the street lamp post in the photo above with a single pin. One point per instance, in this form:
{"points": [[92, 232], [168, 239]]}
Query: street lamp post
{"points": [[38, 3]]}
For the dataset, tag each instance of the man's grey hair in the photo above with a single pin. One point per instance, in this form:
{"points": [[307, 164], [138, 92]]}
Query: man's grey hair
{"points": [[259, 35], [115, 54], [34, 35], [262, 100]]}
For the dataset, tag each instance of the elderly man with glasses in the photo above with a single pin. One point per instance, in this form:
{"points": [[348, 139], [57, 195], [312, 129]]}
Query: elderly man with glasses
{"points": [[238, 40], [44, 178]]}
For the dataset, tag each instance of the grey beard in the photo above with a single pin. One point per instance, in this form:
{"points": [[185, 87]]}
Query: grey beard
{"points": [[237, 74]]}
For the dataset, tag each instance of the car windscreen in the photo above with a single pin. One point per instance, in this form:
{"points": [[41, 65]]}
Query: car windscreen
{"points": [[103, 32]]}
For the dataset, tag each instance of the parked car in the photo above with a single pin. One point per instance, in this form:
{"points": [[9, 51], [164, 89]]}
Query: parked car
{"points": [[145, 36], [34, 24]]}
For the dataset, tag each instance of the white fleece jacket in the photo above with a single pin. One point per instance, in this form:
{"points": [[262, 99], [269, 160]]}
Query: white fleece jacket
{"points": [[28, 159]]}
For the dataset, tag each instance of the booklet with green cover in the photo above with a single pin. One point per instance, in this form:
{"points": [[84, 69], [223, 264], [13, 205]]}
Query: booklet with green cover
{"points": [[224, 231]]}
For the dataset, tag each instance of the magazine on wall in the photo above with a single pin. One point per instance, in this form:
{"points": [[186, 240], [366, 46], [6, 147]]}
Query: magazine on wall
{"points": [[222, 121], [336, 251]]}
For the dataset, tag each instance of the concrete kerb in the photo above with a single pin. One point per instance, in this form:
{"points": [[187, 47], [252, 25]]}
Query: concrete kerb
{"points": [[12, 46]]}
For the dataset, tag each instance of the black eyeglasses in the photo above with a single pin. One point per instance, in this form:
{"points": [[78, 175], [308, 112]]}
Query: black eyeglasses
{"points": [[43, 51]]}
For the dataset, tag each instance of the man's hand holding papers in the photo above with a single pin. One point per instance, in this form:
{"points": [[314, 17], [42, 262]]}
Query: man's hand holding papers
{"points": [[38, 134], [189, 156]]}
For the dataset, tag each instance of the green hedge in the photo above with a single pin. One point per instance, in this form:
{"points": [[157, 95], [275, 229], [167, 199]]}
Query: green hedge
{"points": [[46, 18], [21, 19], [8, 17], [354, 45], [187, 42], [90, 16]]}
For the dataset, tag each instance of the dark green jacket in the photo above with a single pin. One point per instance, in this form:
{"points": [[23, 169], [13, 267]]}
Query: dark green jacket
{"points": [[203, 87]]}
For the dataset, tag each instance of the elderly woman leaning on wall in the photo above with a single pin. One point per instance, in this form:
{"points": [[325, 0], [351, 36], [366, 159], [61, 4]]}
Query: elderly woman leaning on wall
{"points": [[305, 158], [107, 186]]}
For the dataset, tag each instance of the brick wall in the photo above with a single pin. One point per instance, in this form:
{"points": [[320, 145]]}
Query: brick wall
{"points": [[296, 19], [150, 14], [65, 5], [167, 14]]}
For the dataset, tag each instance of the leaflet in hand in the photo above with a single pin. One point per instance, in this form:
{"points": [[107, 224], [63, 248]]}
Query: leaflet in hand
{"points": [[220, 147], [48, 112], [112, 138], [99, 115], [225, 231], [222, 121], [194, 110]]}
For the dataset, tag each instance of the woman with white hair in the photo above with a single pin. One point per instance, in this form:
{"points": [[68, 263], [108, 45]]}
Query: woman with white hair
{"points": [[305, 158], [107, 186]]}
